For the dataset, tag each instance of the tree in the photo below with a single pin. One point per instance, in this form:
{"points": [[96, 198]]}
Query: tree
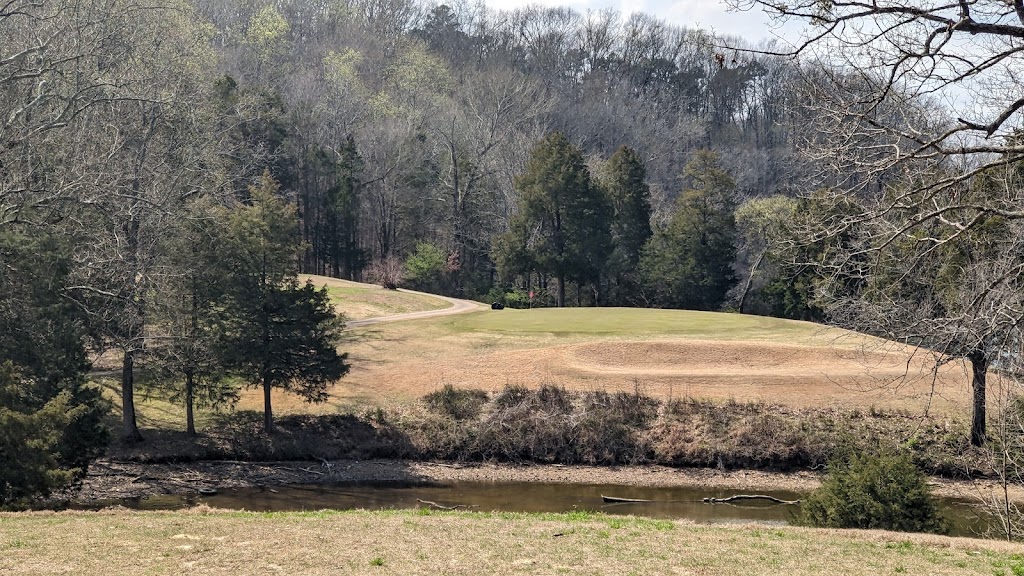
{"points": [[907, 122], [147, 151], [689, 263], [873, 58], [625, 180], [276, 332], [52, 421], [956, 299], [425, 268], [563, 219], [761, 226], [185, 317]]}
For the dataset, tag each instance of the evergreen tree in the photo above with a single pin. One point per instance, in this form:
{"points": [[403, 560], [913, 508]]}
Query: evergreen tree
{"points": [[690, 263], [276, 332], [563, 219], [185, 317], [52, 421], [624, 179]]}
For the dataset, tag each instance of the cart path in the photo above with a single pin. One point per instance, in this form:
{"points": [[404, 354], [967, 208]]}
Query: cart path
{"points": [[458, 306]]}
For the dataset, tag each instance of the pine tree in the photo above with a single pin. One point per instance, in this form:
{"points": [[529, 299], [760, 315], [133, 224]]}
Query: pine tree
{"points": [[689, 264], [563, 218], [276, 332], [624, 179]]}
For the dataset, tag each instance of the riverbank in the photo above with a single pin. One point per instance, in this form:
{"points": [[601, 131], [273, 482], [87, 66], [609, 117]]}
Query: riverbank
{"points": [[111, 480]]}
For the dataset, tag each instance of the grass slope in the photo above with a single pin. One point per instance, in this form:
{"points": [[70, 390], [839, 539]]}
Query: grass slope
{"points": [[409, 542], [636, 322], [358, 301], [664, 353]]}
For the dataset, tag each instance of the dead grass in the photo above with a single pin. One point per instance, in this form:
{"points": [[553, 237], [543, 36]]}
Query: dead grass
{"points": [[358, 301], [204, 541], [802, 366]]}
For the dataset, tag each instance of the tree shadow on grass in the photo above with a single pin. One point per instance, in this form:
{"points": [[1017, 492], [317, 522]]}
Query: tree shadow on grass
{"points": [[239, 437]]}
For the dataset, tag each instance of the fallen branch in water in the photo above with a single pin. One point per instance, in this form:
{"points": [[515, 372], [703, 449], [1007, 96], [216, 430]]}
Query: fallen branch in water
{"points": [[617, 500], [443, 507], [749, 497]]}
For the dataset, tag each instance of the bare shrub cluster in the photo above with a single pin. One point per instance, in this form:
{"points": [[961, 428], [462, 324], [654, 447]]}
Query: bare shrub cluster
{"points": [[552, 425]]}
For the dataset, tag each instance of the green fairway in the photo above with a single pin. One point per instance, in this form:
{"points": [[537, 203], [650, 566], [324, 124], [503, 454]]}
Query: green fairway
{"points": [[634, 322]]}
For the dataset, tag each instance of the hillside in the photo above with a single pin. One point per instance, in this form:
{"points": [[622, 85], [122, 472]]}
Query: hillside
{"points": [[663, 353]]}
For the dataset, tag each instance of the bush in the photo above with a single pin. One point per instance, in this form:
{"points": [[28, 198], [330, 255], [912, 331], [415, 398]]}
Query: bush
{"points": [[634, 409], [875, 492], [512, 395], [31, 463], [425, 267], [389, 272], [456, 403]]}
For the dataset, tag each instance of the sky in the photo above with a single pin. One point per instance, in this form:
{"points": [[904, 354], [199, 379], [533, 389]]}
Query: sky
{"points": [[752, 25]]}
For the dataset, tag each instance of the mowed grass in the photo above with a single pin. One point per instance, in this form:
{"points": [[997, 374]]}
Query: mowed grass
{"points": [[636, 322], [358, 301], [202, 541]]}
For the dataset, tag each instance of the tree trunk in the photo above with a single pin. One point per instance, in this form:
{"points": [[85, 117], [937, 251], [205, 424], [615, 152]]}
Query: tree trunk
{"points": [[190, 420], [268, 414], [561, 291], [979, 366], [131, 429], [750, 279]]}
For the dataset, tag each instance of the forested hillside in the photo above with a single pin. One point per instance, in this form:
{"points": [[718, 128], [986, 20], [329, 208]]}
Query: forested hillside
{"points": [[399, 128]]}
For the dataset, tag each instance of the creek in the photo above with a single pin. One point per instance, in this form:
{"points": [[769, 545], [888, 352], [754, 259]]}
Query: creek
{"points": [[667, 502]]}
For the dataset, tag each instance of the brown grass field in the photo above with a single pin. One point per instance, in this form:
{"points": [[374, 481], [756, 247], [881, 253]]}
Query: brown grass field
{"points": [[662, 353], [204, 541]]}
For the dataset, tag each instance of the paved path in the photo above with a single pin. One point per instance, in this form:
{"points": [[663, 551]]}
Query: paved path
{"points": [[458, 306]]}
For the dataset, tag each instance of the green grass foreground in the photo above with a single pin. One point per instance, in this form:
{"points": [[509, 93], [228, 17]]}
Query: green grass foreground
{"points": [[204, 541]]}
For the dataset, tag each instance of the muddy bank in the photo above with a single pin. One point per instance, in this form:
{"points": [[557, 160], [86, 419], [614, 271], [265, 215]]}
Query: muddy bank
{"points": [[109, 479]]}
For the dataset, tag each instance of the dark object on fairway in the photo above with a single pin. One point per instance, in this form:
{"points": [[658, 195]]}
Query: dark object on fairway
{"points": [[207, 491], [497, 306]]}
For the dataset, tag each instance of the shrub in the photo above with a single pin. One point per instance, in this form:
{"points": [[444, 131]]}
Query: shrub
{"points": [[554, 398], [456, 403], [512, 395], [634, 409], [874, 491], [388, 272], [31, 463], [425, 267]]}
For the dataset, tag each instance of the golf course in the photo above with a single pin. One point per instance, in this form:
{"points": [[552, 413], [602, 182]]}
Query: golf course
{"points": [[405, 345]]}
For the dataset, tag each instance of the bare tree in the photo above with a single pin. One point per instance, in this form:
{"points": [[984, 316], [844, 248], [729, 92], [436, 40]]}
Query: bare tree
{"points": [[143, 154], [916, 106]]}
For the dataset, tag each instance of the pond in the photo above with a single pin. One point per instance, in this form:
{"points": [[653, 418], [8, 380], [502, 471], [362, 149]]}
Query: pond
{"points": [[666, 502]]}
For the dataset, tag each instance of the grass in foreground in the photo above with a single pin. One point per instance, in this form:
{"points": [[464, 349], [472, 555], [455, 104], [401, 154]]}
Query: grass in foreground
{"points": [[411, 542]]}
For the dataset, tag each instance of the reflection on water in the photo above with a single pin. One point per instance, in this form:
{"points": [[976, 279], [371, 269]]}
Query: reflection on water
{"points": [[667, 502]]}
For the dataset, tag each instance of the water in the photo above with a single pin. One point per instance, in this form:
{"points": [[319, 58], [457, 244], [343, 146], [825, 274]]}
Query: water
{"points": [[668, 502]]}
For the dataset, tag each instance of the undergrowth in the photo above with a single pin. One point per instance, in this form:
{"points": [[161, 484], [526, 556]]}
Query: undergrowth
{"points": [[552, 425]]}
